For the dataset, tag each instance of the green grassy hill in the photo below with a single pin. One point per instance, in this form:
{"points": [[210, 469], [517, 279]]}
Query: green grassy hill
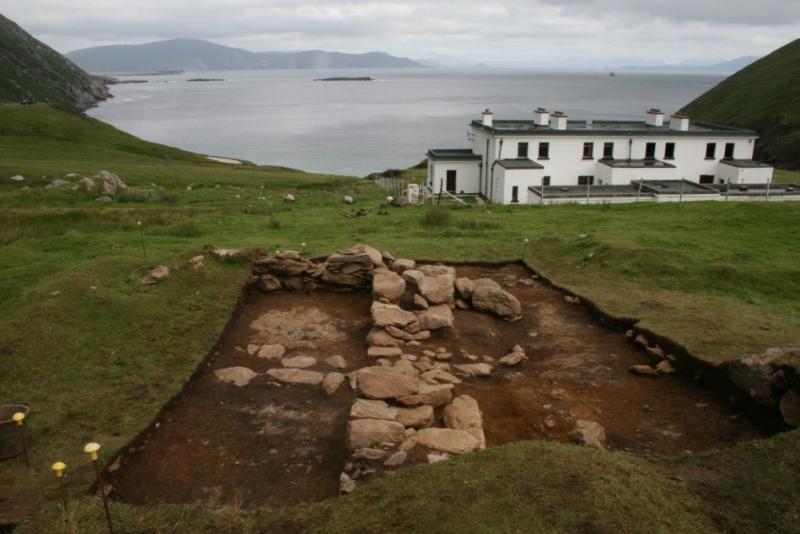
{"points": [[31, 69], [765, 96], [716, 277]]}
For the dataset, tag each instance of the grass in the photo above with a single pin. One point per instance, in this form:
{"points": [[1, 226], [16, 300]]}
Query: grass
{"points": [[96, 355]]}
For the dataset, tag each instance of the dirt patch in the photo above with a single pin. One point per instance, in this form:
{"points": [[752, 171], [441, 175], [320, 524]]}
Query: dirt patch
{"points": [[277, 445]]}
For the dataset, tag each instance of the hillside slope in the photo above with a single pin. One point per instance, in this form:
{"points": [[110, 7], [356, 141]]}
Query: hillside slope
{"points": [[195, 54], [31, 69], [764, 96]]}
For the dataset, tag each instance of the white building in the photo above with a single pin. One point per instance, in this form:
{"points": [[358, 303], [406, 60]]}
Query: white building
{"points": [[521, 161]]}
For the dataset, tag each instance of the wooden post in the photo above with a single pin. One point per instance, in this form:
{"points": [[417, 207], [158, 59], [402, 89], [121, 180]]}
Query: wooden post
{"points": [[587, 191], [683, 184], [441, 188], [768, 184]]}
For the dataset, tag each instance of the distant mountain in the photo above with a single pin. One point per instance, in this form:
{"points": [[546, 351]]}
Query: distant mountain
{"points": [[694, 67], [765, 97], [29, 69], [197, 55]]}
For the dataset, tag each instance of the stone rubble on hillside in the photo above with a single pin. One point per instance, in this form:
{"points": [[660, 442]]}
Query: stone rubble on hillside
{"points": [[771, 380], [156, 275]]}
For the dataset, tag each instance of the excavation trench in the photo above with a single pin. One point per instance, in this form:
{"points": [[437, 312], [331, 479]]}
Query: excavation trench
{"points": [[270, 444]]}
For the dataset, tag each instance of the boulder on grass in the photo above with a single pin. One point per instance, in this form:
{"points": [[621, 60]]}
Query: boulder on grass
{"points": [[589, 433], [156, 275]]}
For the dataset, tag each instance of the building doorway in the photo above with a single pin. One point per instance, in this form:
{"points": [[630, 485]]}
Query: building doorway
{"points": [[515, 194], [451, 181]]}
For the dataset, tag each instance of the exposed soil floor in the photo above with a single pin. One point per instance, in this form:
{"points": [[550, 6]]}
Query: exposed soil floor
{"points": [[264, 444]]}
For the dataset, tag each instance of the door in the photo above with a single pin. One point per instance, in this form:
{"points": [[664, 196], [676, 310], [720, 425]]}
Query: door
{"points": [[451, 181], [515, 194]]}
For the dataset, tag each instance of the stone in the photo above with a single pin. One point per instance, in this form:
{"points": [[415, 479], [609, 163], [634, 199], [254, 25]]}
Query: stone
{"points": [[665, 367], [439, 376], [420, 302], [461, 304], [372, 409], [485, 282], [384, 352], [497, 301], [346, 484], [369, 454], [589, 433], [88, 183], [239, 376], [438, 270], [465, 287], [435, 457], [444, 356], [369, 433], [410, 442], [396, 459], [386, 383], [111, 183], [252, 349], [432, 394], [387, 256], [378, 337], [399, 333], [374, 254], [388, 285], [337, 361], [419, 417], [391, 314], [413, 277], [299, 362], [760, 376], [406, 367], [268, 282], [17, 178], [464, 414], [436, 317], [641, 340], [104, 199], [474, 369], [332, 382], [271, 352], [657, 352], [514, 358], [296, 376], [58, 182], [643, 370], [790, 408], [437, 289], [156, 275], [401, 265], [447, 440], [285, 263]]}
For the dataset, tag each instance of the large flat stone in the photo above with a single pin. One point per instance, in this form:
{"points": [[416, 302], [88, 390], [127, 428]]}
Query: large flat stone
{"points": [[385, 383], [239, 376], [372, 409], [390, 314], [296, 376], [369, 433], [447, 440], [463, 413]]}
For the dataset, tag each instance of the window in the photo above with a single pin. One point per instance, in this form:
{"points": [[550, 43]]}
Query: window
{"points": [[546, 180], [585, 180], [650, 151], [706, 178], [588, 150], [515, 194], [544, 150], [711, 150], [451, 181], [608, 150], [669, 151], [522, 150], [729, 150]]}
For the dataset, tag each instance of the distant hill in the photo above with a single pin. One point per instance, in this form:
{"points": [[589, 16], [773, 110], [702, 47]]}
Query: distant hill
{"points": [[194, 55], [31, 69], [765, 97], [723, 67]]}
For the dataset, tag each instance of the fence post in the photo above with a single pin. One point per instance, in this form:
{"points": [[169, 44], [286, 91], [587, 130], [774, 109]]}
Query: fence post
{"points": [[639, 191], [683, 184]]}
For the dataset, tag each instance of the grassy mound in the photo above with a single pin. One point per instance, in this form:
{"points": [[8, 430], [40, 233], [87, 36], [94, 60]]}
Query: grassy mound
{"points": [[764, 96]]}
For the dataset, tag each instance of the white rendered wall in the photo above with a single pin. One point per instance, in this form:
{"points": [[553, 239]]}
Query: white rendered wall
{"points": [[624, 176], [566, 161], [742, 175], [466, 175], [506, 179]]}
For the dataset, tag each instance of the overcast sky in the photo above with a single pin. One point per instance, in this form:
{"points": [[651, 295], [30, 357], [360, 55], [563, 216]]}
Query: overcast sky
{"points": [[522, 31]]}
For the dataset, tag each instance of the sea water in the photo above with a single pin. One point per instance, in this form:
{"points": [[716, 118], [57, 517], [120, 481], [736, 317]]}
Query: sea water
{"points": [[284, 117]]}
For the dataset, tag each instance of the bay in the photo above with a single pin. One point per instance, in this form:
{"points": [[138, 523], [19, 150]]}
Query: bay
{"points": [[284, 117]]}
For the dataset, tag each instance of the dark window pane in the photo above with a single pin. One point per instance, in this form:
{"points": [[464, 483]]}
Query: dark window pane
{"points": [[669, 151], [711, 150], [608, 150], [650, 151], [522, 150], [729, 150], [544, 150]]}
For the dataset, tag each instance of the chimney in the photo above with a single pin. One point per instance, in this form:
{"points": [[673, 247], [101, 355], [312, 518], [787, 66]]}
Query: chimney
{"points": [[655, 117], [558, 121], [679, 121], [541, 117], [487, 117]]}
